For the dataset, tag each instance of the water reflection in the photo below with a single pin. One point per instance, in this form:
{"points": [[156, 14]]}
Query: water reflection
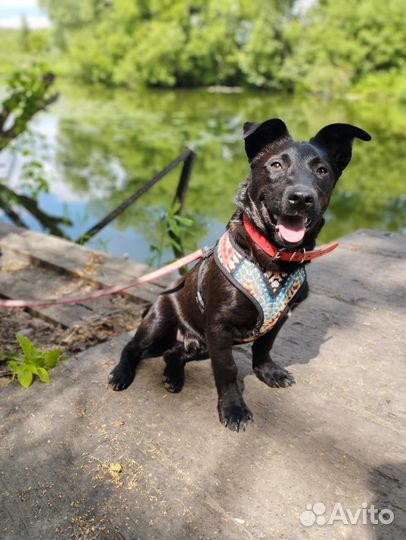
{"points": [[108, 143]]}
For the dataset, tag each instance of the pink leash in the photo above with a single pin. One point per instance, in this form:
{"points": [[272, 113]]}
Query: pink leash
{"points": [[103, 293]]}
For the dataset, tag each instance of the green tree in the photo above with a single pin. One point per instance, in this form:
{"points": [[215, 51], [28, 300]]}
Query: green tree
{"points": [[338, 44], [24, 36], [328, 48], [28, 92]]}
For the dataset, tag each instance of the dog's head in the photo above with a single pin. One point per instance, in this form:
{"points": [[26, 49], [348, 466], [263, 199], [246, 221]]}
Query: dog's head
{"points": [[291, 183]]}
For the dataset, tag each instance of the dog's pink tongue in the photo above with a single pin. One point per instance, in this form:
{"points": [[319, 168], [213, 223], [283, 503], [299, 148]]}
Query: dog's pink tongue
{"points": [[291, 228]]}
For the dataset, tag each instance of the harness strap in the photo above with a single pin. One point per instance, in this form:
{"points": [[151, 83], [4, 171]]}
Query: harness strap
{"points": [[270, 292], [233, 279], [177, 288], [207, 252]]}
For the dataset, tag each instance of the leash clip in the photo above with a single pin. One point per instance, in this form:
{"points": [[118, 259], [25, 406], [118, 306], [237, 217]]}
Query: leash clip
{"points": [[277, 255]]}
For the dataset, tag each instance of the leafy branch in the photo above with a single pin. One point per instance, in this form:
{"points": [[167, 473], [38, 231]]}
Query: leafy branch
{"points": [[174, 227], [32, 363], [30, 91]]}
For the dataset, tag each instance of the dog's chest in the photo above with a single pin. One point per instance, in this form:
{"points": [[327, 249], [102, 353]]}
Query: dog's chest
{"points": [[270, 292]]}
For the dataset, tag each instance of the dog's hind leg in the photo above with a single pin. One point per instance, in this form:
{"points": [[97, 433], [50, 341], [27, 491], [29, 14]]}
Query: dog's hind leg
{"points": [[155, 335], [184, 351], [174, 372]]}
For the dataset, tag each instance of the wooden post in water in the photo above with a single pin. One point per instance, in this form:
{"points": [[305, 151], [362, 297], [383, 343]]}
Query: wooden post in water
{"points": [[187, 157], [184, 180], [180, 197]]}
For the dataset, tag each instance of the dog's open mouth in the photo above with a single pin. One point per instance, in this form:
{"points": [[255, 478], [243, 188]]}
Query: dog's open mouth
{"points": [[291, 228]]}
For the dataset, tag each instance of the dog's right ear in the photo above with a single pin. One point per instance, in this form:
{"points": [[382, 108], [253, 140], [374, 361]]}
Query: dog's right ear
{"points": [[258, 136]]}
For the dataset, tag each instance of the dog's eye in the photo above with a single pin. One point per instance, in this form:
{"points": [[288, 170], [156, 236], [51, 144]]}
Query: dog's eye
{"points": [[276, 165], [322, 171]]}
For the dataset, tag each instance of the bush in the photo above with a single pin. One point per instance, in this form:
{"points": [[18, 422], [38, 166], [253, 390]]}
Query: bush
{"points": [[326, 49]]}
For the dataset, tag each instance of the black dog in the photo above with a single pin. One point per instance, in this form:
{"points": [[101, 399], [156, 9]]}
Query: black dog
{"points": [[279, 213]]}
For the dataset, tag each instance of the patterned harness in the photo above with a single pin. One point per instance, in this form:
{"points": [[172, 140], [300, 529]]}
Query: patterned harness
{"points": [[270, 292]]}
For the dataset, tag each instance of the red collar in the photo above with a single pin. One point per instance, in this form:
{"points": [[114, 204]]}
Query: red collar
{"points": [[281, 254]]}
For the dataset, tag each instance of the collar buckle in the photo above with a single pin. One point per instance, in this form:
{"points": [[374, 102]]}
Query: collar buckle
{"points": [[293, 255]]}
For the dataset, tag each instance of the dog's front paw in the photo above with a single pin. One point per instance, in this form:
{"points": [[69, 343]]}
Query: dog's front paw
{"points": [[120, 378], [274, 375], [234, 415]]}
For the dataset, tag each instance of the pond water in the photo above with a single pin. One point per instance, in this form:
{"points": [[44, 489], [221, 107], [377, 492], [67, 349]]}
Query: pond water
{"points": [[104, 145]]}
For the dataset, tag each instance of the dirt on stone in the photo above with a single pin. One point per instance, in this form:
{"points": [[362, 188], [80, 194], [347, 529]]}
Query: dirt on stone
{"points": [[99, 327]]}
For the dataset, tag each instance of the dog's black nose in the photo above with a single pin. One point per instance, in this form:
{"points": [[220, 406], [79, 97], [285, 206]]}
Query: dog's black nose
{"points": [[300, 198]]}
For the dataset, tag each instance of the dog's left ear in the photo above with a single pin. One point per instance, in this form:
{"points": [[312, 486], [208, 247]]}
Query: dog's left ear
{"points": [[336, 140], [257, 136]]}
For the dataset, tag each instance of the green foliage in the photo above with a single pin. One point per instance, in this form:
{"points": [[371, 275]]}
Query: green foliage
{"points": [[28, 92], [336, 44], [39, 42], [327, 48], [266, 47], [20, 49], [32, 363], [377, 85], [172, 228], [32, 151], [24, 35]]}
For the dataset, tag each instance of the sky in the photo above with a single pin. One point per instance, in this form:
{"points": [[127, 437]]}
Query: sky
{"points": [[12, 10]]}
